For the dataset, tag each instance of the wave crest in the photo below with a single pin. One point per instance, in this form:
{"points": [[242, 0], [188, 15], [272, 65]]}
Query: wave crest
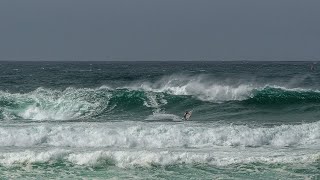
{"points": [[82, 103]]}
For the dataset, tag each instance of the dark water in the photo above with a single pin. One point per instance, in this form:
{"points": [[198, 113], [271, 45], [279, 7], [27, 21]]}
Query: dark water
{"points": [[251, 120]]}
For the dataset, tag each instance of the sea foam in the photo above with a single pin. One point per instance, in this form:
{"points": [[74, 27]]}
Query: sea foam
{"points": [[159, 135], [145, 158], [200, 86]]}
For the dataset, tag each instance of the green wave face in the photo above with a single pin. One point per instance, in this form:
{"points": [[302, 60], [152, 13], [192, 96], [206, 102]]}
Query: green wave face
{"points": [[87, 103], [46, 104], [276, 95]]}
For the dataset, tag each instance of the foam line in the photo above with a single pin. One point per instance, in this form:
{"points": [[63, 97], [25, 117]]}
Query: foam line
{"points": [[159, 135]]}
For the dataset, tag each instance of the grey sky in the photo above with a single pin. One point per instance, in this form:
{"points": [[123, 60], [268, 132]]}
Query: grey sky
{"points": [[159, 29]]}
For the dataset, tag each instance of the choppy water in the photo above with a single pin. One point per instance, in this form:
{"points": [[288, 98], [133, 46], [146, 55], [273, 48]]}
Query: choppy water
{"points": [[122, 120]]}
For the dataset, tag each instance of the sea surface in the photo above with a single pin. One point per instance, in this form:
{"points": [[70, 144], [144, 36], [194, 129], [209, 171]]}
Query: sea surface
{"points": [[123, 120]]}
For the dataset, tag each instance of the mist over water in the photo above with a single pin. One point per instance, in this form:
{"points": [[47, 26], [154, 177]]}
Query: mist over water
{"points": [[117, 119]]}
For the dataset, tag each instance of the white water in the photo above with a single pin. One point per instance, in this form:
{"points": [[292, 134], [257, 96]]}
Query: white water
{"points": [[129, 158], [159, 135], [199, 86], [46, 104]]}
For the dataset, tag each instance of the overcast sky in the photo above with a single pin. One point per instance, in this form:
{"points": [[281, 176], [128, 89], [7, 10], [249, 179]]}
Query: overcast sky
{"points": [[159, 30]]}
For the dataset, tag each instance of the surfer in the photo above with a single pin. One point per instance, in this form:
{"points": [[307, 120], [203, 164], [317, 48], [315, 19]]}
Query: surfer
{"points": [[187, 115]]}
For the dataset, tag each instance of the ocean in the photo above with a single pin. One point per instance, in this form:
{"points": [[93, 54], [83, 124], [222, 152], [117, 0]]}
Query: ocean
{"points": [[123, 120]]}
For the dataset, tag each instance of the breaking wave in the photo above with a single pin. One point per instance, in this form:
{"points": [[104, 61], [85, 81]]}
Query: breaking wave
{"points": [[145, 97], [145, 158], [72, 103], [136, 135]]}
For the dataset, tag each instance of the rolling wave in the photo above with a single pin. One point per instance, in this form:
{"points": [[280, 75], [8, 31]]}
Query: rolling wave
{"points": [[81, 103], [130, 144], [136, 135], [145, 158]]}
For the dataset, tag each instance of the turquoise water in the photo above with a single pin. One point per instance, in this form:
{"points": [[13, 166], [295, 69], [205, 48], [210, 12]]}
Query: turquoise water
{"points": [[123, 120]]}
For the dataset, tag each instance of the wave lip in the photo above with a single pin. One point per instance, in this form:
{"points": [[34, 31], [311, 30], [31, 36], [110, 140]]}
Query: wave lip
{"points": [[207, 89], [201, 87]]}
